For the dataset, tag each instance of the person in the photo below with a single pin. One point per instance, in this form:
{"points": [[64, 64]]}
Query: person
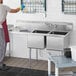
{"points": [[4, 35]]}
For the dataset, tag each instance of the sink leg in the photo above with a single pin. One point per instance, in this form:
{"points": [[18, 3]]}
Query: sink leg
{"points": [[37, 54], [9, 49], [30, 58]]}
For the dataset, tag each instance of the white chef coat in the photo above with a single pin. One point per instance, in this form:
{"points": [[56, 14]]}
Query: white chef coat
{"points": [[3, 13]]}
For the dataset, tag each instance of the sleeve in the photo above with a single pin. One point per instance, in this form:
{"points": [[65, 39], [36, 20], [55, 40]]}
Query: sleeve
{"points": [[0, 26], [8, 9]]}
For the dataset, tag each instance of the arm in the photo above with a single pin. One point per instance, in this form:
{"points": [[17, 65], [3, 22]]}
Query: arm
{"points": [[14, 10]]}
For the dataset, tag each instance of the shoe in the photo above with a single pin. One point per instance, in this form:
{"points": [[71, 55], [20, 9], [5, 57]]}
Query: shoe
{"points": [[4, 67]]}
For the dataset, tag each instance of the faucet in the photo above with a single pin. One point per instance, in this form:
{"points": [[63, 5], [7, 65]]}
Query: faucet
{"points": [[55, 27], [51, 26]]}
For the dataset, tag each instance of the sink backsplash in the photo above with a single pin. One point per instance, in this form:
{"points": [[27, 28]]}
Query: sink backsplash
{"points": [[33, 25]]}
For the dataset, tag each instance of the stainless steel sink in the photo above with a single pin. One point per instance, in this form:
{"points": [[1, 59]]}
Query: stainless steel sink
{"points": [[58, 32], [57, 39], [40, 31]]}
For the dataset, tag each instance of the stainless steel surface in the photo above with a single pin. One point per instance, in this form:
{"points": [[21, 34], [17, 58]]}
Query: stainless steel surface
{"points": [[9, 49], [62, 26], [37, 54], [24, 30], [30, 49], [43, 25], [57, 38], [62, 61], [29, 57], [35, 41], [58, 42], [55, 43], [20, 29]]}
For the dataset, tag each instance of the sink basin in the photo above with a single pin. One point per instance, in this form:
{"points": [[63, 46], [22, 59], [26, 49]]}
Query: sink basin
{"points": [[37, 41], [57, 42], [40, 31], [58, 33]]}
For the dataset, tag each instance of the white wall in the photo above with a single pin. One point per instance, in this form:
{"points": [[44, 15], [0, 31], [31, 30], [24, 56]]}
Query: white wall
{"points": [[54, 13]]}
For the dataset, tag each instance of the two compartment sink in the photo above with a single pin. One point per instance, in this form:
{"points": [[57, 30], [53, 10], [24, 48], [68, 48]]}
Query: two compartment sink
{"points": [[48, 32], [38, 40]]}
